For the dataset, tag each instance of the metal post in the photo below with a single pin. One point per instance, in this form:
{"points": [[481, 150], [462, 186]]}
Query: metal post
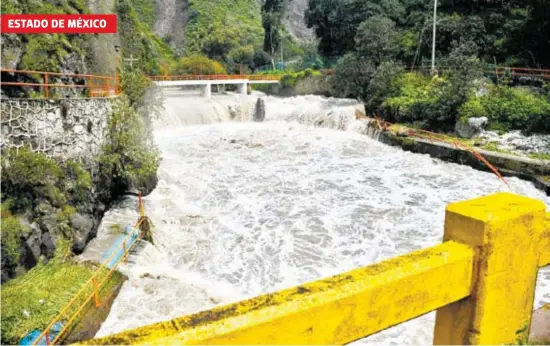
{"points": [[125, 255], [90, 86], [433, 37], [282, 61], [46, 91], [47, 335], [96, 293]]}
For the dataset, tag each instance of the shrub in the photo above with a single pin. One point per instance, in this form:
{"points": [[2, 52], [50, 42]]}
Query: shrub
{"points": [[384, 84], [289, 80], [414, 96], [510, 109], [197, 65], [10, 234], [28, 176], [128, 158], [134, 84], [352, 77]]}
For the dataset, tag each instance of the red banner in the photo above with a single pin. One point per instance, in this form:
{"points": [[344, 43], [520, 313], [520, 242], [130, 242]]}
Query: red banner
{"points": [[58, 23]]}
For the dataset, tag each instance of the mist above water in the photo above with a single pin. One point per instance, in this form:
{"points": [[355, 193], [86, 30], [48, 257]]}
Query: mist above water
{"points": [[244, 208]]}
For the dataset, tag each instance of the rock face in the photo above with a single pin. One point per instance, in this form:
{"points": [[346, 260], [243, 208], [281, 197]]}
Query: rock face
{"points": [[62, 129], [294, 20], [12, 50], [170, 22], [471, 128]]}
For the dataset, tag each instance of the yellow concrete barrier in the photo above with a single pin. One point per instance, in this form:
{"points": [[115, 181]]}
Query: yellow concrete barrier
{"points": [[335, 310], [505, 230], [482, 280]]}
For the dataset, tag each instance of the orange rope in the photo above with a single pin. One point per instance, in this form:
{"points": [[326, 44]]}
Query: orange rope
{"points": [[432, 135]]}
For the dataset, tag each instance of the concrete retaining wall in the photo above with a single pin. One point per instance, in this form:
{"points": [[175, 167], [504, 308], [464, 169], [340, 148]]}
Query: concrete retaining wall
{"points": [[508, 165]]}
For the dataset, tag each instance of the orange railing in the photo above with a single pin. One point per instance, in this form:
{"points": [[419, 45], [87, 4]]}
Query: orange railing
{"points": [[499, 71], [93, 86], [213, 77]]}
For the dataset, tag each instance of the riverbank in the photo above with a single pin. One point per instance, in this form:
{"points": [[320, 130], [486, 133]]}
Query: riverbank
{"points": [[32, 300], [535, 170]]}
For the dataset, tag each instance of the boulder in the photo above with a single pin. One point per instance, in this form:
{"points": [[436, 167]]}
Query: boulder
{"points": [[31, 246], [471, 127], [48, 245], [82, 226], [259, 110]]}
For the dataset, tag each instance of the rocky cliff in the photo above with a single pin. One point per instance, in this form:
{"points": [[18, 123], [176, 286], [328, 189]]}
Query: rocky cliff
{"points": [[294, 20], [172, 17]]}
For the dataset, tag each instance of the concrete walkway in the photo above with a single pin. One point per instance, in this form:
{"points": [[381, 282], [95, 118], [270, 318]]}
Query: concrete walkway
{"points": [[540, 326]]}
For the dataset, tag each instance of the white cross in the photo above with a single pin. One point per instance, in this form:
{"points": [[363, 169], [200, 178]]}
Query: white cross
{"points": [[131, 60]]}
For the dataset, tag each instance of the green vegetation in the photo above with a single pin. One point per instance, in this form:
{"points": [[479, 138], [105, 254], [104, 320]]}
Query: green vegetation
{"points": [[510, 109], [32, 300], [145, 10], [225, 30], [128, 158], [29, 177], [137, 39], [401, 29], [11, 231], [197, 65], [372, 39], [47, 52], [289, 80]]}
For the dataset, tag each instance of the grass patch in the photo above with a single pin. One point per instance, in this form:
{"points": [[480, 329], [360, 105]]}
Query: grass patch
{"points": [[32, 300], [539, 156]]}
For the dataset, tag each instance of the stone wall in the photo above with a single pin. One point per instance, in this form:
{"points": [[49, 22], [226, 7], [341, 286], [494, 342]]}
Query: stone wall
{"points": [[62, 129]]}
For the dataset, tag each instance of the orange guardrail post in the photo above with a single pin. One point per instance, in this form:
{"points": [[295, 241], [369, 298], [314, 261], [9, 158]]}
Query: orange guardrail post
{"points": [[46, 91], [141, 209], [90, 86], [96, 293], [504, 229], [47, 338]]}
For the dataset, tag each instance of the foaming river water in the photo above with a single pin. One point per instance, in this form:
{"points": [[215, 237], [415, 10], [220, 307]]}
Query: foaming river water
{"points": [[245, 208]]}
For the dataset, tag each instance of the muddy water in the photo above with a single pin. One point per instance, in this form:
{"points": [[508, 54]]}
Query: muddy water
{"points": [[245, 208]]}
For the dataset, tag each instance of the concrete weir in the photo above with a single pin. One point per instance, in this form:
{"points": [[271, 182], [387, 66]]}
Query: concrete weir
{"points": [[243, 85]]}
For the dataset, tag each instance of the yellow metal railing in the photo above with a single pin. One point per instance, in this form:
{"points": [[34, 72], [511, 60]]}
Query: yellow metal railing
{"points": [[481, 281]]}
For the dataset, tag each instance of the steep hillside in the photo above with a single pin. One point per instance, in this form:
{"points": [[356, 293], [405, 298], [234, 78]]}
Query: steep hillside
{"points": [[227, 30], [220, 26], [294, 20], [170, 21]]}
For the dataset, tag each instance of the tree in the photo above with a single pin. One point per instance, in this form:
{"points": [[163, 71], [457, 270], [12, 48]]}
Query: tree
{"points": [[336, 21], [352, 77], [272, 17], [377, 39]]}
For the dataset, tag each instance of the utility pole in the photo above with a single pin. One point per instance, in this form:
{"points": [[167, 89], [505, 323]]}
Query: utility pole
{"points": [[433, 37], [282, 61]]}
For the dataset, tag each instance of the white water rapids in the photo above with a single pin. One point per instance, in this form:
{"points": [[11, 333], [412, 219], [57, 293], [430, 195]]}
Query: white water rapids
{"points": [[244, 208]]}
